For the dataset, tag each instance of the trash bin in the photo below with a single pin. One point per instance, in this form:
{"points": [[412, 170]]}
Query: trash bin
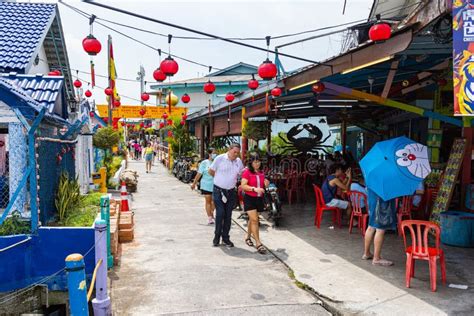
{"points": [[457, 228]]}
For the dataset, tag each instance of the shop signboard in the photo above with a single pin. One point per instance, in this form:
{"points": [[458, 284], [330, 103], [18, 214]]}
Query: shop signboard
{"points": [[463, 57], [133, 111], [448, 181]]}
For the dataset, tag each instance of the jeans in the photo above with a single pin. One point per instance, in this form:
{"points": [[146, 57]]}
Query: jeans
{"points": [[223, 212]]}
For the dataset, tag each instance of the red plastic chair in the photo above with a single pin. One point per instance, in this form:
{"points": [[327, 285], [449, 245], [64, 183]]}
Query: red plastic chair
{"points": [[356, 199], [403, 210], [432, 194], [421, 250], [291, 186], [321, 207]]}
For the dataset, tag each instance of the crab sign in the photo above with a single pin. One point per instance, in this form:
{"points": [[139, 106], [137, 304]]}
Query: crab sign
{"points": [[304, 145]]}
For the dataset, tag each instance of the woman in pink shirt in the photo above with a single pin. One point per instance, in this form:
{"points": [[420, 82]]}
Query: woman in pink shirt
{"points": [[253, 184]]}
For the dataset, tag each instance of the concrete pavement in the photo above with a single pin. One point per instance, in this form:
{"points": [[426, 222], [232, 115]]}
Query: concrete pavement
{"points": [[172, 268]]}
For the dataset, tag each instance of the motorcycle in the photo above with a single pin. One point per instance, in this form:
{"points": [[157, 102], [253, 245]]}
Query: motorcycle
{"points": [[273, 204]]}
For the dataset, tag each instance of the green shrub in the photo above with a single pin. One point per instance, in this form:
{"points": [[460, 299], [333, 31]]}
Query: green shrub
{"points": [[14, 225], [68, 196]]}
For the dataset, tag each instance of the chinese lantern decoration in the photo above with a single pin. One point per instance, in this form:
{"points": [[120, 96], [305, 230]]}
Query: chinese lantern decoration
{"points": [[54, 73], [267, 70], [106, 119], [77, 83], [117, 103], [91, 114], [145, 96], [276, 92], [182, 122], [380, 31], [142, 112], [170, 122], [185, 117], [88, 93], [162, 124], [209, 87], [229, 97], [122, 123], [165, 116], [318, 87], [174, 99], [142, 124], [253, 83], [159, 75], [169, 66], [185, 98], [108, 91], [170, 133], [91, 45]]}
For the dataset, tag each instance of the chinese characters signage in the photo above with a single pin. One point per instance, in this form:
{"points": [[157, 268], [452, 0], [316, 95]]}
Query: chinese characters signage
{"points": [[463, 57], [133, 111]]}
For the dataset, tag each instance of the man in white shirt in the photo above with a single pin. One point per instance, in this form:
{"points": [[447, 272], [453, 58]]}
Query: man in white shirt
{"points": [[225, 169]]}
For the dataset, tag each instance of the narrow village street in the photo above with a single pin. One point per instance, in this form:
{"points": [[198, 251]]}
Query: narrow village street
{"points": [[172, 268]]}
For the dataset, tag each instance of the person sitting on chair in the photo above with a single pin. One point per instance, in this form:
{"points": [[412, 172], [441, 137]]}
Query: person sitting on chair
{"points": [[332, 183]]}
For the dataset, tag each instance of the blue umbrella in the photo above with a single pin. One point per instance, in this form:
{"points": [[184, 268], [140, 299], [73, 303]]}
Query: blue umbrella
{"points": [[395, 167]]}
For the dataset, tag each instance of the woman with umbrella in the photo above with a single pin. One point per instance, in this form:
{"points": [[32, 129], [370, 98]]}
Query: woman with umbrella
{"points": [[392, 168]]}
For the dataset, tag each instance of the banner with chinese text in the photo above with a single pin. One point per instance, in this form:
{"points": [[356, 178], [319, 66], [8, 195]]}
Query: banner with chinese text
{"points": [[133, 111]]}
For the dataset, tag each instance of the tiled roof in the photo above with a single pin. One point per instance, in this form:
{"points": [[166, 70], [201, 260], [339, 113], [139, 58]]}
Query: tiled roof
{"points": [[43, 89], [22, 26]]}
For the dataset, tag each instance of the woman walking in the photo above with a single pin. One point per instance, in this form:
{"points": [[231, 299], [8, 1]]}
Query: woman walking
{"points": [[207, 184], [148, 157], [253, 184]]}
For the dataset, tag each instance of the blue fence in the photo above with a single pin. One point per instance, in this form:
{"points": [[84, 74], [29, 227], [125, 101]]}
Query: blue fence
{"points": [[43, 255]]}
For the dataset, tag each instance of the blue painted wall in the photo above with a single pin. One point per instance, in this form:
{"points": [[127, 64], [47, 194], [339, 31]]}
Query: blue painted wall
{"points": [[42, 256]]}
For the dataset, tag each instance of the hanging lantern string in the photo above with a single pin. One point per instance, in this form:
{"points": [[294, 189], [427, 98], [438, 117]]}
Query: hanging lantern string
{"points": [[159, 55], [169, 44], [267, 38], [91, 23]]}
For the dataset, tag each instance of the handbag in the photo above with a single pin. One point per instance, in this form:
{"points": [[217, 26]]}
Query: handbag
{"points": [[384, 212]]}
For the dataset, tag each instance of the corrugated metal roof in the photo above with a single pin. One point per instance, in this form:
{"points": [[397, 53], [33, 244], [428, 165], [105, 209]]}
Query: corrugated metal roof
{"points": [[22, 26], [43, 89]]}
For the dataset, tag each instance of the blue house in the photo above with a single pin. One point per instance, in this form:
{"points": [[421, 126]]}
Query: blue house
{"points": [[231, 79]]}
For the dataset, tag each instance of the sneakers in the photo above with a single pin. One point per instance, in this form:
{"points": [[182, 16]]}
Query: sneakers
{"points": [[228, 243], [215, 242], [210, 221]]}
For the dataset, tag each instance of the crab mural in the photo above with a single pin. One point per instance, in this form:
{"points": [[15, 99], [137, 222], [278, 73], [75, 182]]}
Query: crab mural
{"points": [[303, 145]]}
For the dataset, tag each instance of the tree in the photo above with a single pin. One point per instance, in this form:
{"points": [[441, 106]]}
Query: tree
{"points": [[106, 138], [256, 130], [181, 143]]}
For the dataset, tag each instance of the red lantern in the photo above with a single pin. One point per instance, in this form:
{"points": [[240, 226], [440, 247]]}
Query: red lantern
{"points": [[108, 91], [162, 124], [91, 114], [159, 75], [145, 96], [185, 98], [106, 119], [122, 123], [77, 83], [380, 32], [142, 124], [209, 87], [229, 97], [169, 66], [276, 92], [165, 116], [185, 117], [117, 103], [253, 84], [142, 112], [91, 45], [267, 70], [170, 133], [170, 122], [182, 122], [88, 93], [54, 73], [318, 87]]}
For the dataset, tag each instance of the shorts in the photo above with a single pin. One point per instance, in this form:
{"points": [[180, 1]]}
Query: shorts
{"points": [[253, 203], [338, 203], [204, 192], [148, 157]]}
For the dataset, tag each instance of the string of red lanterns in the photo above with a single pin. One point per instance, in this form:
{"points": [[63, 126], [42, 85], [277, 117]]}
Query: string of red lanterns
{"points": [[380, 31]]}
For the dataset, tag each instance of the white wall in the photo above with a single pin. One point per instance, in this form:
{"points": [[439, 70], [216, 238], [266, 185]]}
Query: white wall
{"points": [[84, 161], [42, 67]]}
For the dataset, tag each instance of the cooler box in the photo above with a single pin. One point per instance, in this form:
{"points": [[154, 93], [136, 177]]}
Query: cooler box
{"points": [[457, 228]]}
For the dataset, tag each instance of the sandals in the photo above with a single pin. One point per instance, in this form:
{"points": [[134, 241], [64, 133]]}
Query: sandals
{"points": [[382, 262], [261, 249], [365, 257], [249, 242]]}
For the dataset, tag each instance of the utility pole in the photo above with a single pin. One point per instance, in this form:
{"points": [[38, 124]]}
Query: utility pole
{"points": [[111, 97], [141, 77]]}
